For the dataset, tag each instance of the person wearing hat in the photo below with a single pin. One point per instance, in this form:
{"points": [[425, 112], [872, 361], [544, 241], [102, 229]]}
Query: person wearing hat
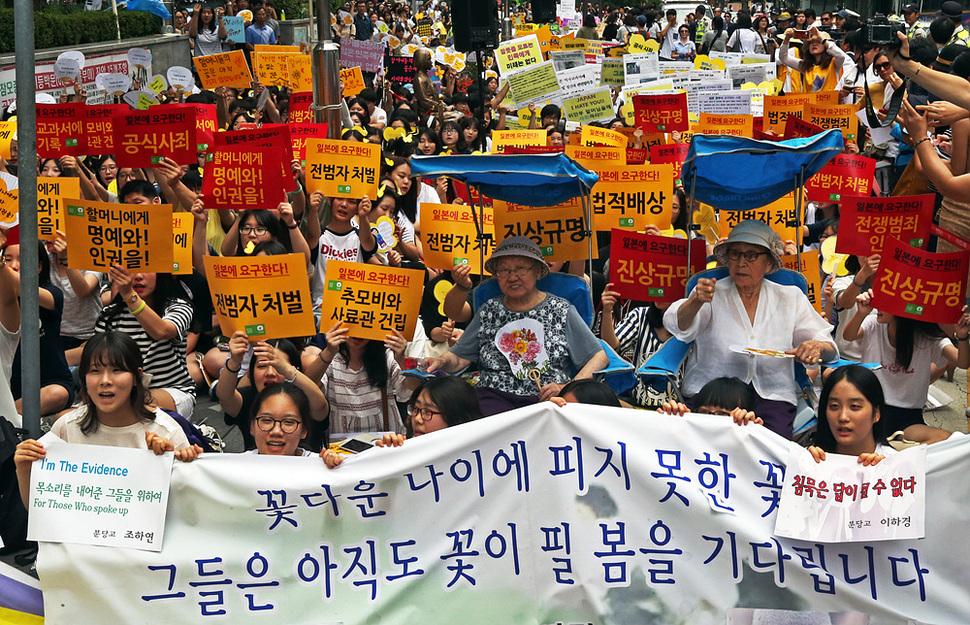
{"points": [[527, 343], [746, 310], [911, 17], [820, 65], [954, 12], [781, 25]]}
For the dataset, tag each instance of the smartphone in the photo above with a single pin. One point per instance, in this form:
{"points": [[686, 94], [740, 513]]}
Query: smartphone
{"points": [[800, 34], [355, 445]]}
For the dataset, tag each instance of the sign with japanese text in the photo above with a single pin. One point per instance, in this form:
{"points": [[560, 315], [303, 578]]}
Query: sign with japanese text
{"points": [[267, 297], [633, 197], [921, 285], [449, 236], [137, 237], [143, 138], [239, 177], [228, 69], [812, 270], [368, 55], [780, 215], [843, 176], [839, 500], [559, 231], [669, 520], [866, 222], [342, 168], [371, 300], [60, 129], [648, 268], [51, 194], [517, 138], [78, 494], [518, 53]]}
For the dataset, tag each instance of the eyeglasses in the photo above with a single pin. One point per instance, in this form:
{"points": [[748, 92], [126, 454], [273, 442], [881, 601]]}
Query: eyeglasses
{"points": [[750, 256], [108, 168], [425, 414], [882, 66], [257, 230], [518, 272], [716, 412], [288, 426]]}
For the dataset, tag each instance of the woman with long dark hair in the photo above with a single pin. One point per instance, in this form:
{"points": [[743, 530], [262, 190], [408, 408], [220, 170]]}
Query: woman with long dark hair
{"points": [[820, 65]]}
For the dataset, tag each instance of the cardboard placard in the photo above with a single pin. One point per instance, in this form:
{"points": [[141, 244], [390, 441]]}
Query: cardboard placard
{"points": [[400, 70], [243, 176], [449, 236], [593, 136], [777, 108], [136, 236], [733, 125], [273, 68], [142, 138], [812, 270], [559, 231], [589, 107], [267, 297], [235, 28], [843, 176], [9, 201], [517, 138], [674, 153], [228, 69], [595, 157], [60, 129], [780, 215], [51, 195], [921, 285], [661, 113], [353, 81], [866, 223], [648, 268], [300, 70], [8, 130], [343, 168], [796, 127], [534, 84], [633, 197], [368, 55], [98, 128], [371, 300], [275, 136]]}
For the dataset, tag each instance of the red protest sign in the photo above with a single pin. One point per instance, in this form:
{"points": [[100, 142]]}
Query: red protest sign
{"points": [[205, 125], [60, 130], [866, 222], [244, 177], [648, 268], [661, 113], [921, 285], [300, 103], [674, 153], [98, 136], [797, 127], [276, 136], [142, 138], [299, 133], [637, 156], [844, 175]]}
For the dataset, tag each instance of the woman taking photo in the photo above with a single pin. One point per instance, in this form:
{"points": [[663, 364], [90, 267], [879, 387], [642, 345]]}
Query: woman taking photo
{"points": [[820, 65]]}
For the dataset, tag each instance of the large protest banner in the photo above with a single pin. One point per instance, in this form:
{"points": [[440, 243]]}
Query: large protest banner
{"points": [[537, 516]]}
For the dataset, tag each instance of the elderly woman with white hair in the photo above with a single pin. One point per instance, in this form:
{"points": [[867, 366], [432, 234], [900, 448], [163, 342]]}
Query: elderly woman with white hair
{"points": [[745, 310]]}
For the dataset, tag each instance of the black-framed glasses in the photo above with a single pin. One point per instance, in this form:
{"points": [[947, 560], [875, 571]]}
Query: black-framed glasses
{"points": [[257, 230], [518, 272], [424, 413], [882, 66], [288, 425], [750, 256]]}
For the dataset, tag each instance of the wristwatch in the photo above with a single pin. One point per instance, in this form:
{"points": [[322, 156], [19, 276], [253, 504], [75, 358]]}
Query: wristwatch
{"points": [[133, 298]]}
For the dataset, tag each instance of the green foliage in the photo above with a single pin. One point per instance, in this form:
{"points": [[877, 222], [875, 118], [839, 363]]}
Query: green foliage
{"points": [[64, 25]]}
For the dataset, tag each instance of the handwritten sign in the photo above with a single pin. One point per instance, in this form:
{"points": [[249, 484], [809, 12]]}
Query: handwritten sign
{"points": [[143, 138], [921, 285], [228, 69], [235, 28], [400, 69], [648, 268], [9, 201], [243, 176], [811, 269], [371, 300], [843, 176], [267, 297], [80, 495], [866, 222], [51, 193], [633, 197], [342, 168], [839, 500], [353, 81], [273, 68], [136, 236], [661, 113], [449, 236], [60, 129], [559, 231]]}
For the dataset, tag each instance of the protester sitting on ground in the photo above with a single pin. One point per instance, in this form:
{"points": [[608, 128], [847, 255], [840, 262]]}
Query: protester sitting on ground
{"points": [[746, 309], [850, 417], [278, 421], [82, 301], [526, 342], [723, 397], [116, 411]]}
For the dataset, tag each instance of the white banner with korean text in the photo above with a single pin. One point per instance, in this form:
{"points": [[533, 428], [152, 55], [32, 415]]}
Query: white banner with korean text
{"points": [[538, 516]]}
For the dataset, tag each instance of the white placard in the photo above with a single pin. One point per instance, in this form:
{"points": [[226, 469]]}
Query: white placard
{"points": [[724, 102], [693, 88], [578, 80], [66, 70], [751, 72], [729, 58], [879, 134], [94, 495], [640, 68], [114, 84], [180, 78], [77, 55], [839, 500], [567, 59], [140, 57]]}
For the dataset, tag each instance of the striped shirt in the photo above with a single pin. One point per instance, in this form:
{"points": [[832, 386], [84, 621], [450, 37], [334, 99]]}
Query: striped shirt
{"points": [[164, 360], [356, 405]]}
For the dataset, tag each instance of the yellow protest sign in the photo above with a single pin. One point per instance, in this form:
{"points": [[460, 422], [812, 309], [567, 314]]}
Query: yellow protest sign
{"points": [[517, 138], [8, 130], [518, 54], [273, 68], [780, 215], [734, 125], [9, 203], [342, 168], [182, 225], [228, 69], [371, 300], [267, 297], [633, 197], [573, 44], [779, 107], [594, 158], [449, 236], [353, 81], [589, 107], [535, 84], [638, 44], [702, 61], [136, 236], [827, 98], [559, 230], [841, 116], [51, 193], [591, 135], [300, 72], [611, 73], [545, 37], [813, 275]]}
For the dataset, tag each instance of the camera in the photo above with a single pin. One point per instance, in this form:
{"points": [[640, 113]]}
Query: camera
{"points": [[880, 31]]}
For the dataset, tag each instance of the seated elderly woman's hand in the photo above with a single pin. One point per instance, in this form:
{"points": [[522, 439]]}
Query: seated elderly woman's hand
{"points": [[548, 391], [704, 291], [809, 352]]}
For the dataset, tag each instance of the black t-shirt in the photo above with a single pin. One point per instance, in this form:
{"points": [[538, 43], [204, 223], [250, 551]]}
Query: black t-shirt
{"points": [[53, 364]]}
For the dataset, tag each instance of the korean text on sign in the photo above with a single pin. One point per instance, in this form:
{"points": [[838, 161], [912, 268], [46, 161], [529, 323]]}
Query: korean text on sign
{"points": [[137, 237], [228, 69], [866, 222], [661, 113], [633, 197], [371, 300], [266, 297], [560, 231], [842, 176], [342, 168], [51, 193], [780, 215], [143, 138], [648, 268], [921, 285], [449, 236], [242, 177]]}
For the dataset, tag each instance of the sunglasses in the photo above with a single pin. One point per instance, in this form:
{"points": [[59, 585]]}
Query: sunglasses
{"points": [[882, 66]]}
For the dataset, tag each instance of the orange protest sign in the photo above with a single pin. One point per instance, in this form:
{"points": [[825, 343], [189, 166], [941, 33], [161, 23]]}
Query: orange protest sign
{"points": [[780, 215], [267, 297], [51, 193], [8, 130], [841, 116], [449, 236], [633, 197], [182, 225], [559, 230], [371, 300], [342, 168], [811, 269], [272, 68], [9, 202], [517, 138], [592, 158], [593, 136], [300, 72], [353, 81], [779, 107], [136, 236], [827, 98], [228, 69], [734, 125]]}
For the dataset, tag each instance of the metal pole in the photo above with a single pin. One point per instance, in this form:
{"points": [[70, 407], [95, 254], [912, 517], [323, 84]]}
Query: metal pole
{"points": [[690, 218], [506, 21], [588, 216], [326, 74], [799, 211], [114, 9], [27, 181]]}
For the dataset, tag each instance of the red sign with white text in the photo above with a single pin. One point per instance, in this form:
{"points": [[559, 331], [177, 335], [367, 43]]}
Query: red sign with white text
{"points": [[921, 285], [674, 153], [661, 113], [866, 223], [843, 176], [300, 103], [299, 133], [99, 137], [648, 268], [142, 138]]}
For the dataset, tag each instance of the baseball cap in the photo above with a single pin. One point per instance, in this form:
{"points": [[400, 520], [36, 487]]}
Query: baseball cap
{"points": [[909, 8], [951, 9]]}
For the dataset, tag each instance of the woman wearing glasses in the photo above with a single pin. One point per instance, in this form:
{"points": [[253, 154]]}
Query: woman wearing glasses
{"points": [[255, 226], [528, 344], [746, 310], [280, 415]]}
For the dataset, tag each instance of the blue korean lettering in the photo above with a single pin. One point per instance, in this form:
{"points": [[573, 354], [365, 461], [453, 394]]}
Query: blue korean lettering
{"points": [[557, 539], [503, 464], [871, 575], [894, 561], [171, 584], [614, 571], [212, 607], [367, 507], [277, 509], [433, 481], [462, 470], [807, 557], [311, 499], [365, 560], [660, 536], [774, 479], [621, 470], [460, 552], [257, 566], [780, 558], [710, 479], [674, 455], [735, 560], [398, 559], [562, 464]]}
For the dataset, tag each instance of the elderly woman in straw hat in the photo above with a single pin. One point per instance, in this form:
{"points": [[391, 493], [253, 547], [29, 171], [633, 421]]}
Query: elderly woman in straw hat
{"points": [[722, 317], [527, 343]]}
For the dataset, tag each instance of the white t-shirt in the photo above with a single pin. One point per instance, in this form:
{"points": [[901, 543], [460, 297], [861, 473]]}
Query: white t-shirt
{"points": [[747, 41], [68, 429], [848, 349], [902, 388], [338, 247], [8, 349], [667, 46], [426, 195]]}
